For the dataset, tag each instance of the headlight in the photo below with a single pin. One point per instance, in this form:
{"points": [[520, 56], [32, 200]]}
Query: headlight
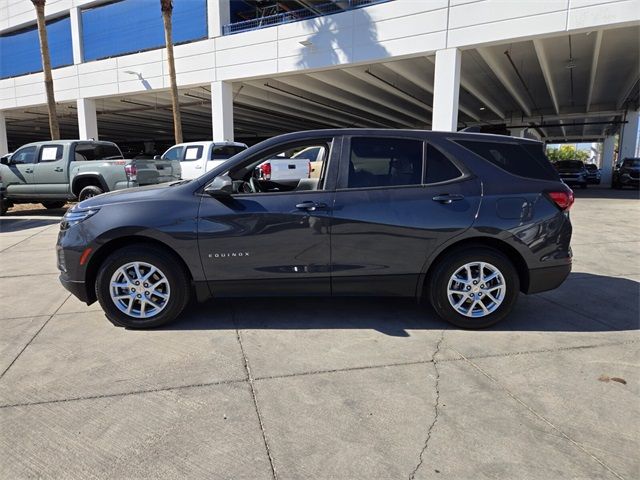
{"points": [[74, 217]]}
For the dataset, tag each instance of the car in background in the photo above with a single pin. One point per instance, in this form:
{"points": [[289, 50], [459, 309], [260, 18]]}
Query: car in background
{"points": [[197, 158], [315, 155], [572, 172], [467, 221], [594, 175], [626, 173], [56, 171]]}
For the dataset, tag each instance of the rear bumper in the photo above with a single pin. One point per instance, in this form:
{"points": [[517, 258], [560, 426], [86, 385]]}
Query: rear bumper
{"points": [[547, 278]]}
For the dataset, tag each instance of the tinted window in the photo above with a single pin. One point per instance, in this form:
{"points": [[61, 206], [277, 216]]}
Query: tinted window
{"points": [[192, 153], [439, 167], [525, 160], [224, 152], [378, 162], [591, 167], [24, 155], [575, 164], [51, 153], [631, 162], [174, 153], [96, 151]]}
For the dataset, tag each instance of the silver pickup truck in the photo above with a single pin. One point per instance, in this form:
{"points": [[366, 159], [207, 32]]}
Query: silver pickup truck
{"points": [[55, 172]]}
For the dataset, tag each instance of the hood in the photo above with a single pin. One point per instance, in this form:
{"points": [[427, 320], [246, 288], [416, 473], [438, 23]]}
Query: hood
{"points": [[138, 194]]}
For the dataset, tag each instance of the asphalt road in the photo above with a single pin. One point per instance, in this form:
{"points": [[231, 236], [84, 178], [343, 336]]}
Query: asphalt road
{"points": [[344, 389]]}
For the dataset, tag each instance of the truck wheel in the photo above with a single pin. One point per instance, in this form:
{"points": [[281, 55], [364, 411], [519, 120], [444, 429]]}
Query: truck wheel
{"points": [[475, 287], [53, 205], [88, 192], [142, 286]]}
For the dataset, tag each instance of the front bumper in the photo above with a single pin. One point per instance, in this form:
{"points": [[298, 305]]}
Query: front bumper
{"points": [[78, 289], [547, 278]]}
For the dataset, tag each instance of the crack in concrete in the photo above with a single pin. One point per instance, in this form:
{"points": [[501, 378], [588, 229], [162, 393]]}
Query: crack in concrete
{"points": [[539, 416], [315, 372], [250, 380], [436, 408]]}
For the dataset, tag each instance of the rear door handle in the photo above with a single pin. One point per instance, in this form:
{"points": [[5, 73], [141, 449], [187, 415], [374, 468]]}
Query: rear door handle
{"points": [[28, 170], [447, 198], [58, 169], [311, 206]]}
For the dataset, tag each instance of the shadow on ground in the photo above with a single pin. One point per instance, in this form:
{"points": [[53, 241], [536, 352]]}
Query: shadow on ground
{"points": [[12, 225], [394, 316]]}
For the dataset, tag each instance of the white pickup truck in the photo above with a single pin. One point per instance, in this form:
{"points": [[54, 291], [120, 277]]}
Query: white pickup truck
{"points": [[306, 163], [197, 158]]}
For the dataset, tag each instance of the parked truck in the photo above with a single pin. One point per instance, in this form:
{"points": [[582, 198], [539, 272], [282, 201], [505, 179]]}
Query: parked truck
{"points": [[54, 172]]}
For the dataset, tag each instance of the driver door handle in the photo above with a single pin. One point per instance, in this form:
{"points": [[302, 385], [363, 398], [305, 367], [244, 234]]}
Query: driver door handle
{"points": [[58, 169], [447, 198], [28, 170], [311, 206]]}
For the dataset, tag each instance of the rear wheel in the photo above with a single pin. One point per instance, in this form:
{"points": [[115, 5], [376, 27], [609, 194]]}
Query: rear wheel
{"points": [[475, 287], [88, 192], [142, 286], [4, 206], [53, 205]]}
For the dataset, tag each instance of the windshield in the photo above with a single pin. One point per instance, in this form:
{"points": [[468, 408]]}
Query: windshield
{"points": [[632, 162]]}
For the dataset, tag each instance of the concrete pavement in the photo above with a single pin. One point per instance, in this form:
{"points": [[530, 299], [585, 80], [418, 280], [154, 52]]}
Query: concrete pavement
{"points": [[309, 388]]}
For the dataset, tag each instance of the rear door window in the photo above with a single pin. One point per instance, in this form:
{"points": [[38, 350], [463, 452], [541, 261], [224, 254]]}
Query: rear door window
{"points": [[439, 167], [377, 162], [524, 160], [191, 153], [226, 151], [51, 153]]}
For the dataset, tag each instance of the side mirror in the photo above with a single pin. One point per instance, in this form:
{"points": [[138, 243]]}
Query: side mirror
{"points": [[222, 186], [157, 157], [6, 160]]}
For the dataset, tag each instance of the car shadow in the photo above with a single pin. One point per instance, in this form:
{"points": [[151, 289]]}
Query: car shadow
{"points": [[13, 225], [396, 316]]}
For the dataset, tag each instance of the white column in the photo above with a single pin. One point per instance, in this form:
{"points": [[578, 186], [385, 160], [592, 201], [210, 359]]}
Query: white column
{"points": [[218, 14], [630, 136], [608, 150], [222, 111], [87, 119], [4, 144], [76, 34], [446, 90]]}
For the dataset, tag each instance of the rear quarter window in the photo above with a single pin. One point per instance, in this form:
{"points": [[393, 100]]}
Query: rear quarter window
{"points": [[224, 152], [524, 160]]}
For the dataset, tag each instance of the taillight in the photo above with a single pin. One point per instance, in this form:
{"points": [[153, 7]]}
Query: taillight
{"points": [[563, 199], [265, 171], [131, 171]]}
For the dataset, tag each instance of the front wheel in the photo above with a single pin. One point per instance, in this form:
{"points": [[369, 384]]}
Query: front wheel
{"points": [[53, 205], [142, 286], [474, 288]]}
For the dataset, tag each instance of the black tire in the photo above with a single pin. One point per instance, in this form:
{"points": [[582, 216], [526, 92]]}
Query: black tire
{"points": [[444, 270], [53, 205], [180, 286], [4, 206], [88, 192]]}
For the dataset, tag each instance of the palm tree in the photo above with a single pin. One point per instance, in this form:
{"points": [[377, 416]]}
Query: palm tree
{"points": [[54, 126], [167, 10]]}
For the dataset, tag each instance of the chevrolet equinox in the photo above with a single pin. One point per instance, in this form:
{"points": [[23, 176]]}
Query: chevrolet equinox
{"points": [[466, 221]]}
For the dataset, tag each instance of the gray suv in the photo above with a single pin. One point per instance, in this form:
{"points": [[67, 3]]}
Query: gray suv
{"points": [[54, 172], [465, 221]]}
